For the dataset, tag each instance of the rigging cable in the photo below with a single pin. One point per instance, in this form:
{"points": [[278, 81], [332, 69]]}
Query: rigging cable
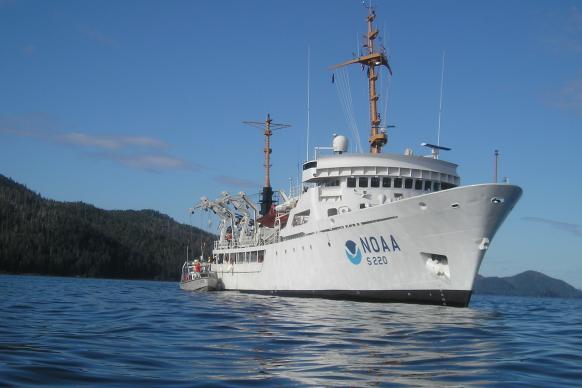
{"points": [[345, 96], [308, 95]]}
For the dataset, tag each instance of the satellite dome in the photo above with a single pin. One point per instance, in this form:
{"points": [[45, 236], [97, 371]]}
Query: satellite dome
{"points": [[340, 144]]}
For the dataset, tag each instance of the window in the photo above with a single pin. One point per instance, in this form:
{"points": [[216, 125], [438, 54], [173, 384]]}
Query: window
{"points": [[301, 218], [374, 181], [253, 257], [362, 206], [332, 212], [363, 182], [446, 185], [261, 256], [418, 184], [352, 182], [332, 182], [386, 182], [309, 165], [436, 186], [220, 258], [397, 183], [408, 183], [427, 185]]}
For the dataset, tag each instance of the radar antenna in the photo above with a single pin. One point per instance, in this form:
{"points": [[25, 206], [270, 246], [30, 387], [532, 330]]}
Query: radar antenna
{"points": [[269, 127]]}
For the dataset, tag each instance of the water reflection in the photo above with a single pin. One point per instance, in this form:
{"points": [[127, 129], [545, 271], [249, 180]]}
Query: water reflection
{"points": [[316, 341]]}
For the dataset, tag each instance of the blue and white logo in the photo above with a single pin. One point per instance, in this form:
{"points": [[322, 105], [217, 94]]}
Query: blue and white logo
{"points": [[353, 252], [373, 249]]}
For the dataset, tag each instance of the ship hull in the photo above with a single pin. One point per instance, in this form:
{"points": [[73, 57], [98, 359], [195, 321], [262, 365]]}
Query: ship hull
{"points": [[453, 298], [424, 249]]}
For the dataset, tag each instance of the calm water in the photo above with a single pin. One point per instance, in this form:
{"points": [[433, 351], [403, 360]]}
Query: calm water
{"points": [[84, 331]]}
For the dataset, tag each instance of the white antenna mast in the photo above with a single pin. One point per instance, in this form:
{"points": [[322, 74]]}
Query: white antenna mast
{"points": [[308, 102], [437, 148], [441, 101]]}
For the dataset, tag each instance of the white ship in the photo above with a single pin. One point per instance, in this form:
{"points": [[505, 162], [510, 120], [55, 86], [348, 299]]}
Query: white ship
{"points": [[374, 227]]}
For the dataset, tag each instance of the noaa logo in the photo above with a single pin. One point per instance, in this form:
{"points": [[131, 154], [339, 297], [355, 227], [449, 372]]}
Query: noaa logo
{"points": [[353, 252], [374, 249]]}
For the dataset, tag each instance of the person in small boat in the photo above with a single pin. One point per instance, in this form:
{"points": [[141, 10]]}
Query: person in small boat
{"points": [[229, 234], [197, 266]]}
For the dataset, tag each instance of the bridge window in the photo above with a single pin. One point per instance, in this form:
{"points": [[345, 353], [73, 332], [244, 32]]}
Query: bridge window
{"points": [[309, 165], [408, 183], [332, 182], [374, 181], [351, 182], [446, 185], [398, 183], [363, 182], [301, 218], [261, 256], [436, 186], [427, 185], [418, 184], [386, 182]]}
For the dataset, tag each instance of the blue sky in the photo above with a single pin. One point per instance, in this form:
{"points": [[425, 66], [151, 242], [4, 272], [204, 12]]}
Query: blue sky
{"points": [[131, 105]]}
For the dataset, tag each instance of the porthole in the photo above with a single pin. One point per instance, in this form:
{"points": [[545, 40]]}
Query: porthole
{"points": [[497, 200]]}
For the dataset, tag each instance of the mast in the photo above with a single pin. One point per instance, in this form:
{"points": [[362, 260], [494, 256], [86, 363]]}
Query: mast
{"points": [[267, 193], [373, 60]]}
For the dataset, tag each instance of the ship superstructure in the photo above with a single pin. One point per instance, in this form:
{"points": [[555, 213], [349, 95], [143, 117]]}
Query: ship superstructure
{"points": [[380, 227]]}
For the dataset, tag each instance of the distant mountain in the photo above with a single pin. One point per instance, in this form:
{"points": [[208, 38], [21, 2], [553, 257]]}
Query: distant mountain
{"points": [[528, 283], [43, 236]]}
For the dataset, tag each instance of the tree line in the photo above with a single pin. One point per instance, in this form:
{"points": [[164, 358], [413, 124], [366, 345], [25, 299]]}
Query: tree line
{"points": [[43, 236]]}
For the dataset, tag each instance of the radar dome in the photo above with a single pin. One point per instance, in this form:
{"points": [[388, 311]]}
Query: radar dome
{"points": [[340, 144]]}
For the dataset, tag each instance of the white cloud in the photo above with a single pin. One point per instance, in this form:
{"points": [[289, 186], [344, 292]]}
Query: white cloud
{"points": [[97, 36], [154, 162], [139, 152], [236, 182], [111, 143], [575, 229], [570, 96]]}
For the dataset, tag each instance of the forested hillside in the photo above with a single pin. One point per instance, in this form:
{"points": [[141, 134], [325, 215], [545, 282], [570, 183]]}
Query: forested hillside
{"points": [[528, 283], [42, 236]]}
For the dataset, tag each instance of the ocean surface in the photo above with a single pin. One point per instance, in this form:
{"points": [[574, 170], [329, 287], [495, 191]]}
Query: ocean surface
{"points": [[59, 331]]}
